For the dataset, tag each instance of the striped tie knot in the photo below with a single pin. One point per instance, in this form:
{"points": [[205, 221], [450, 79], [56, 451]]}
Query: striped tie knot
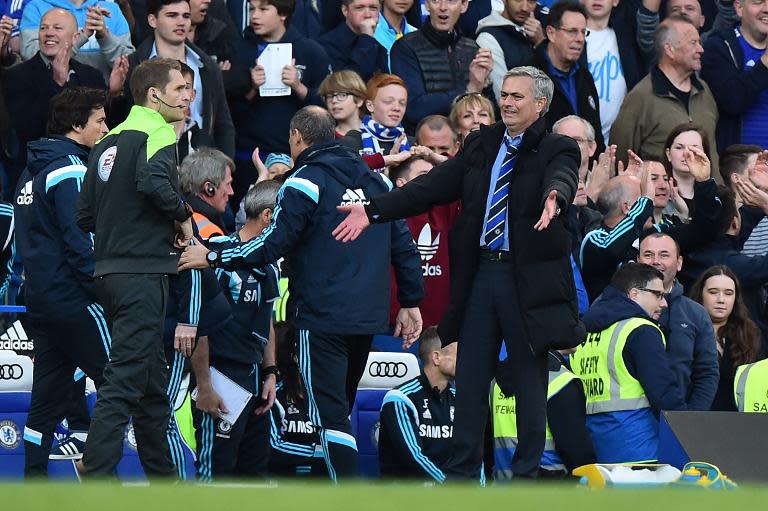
{"points": [[497, 214]]}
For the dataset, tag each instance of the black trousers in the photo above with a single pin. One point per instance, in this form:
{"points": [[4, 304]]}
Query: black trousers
{"points": [[135, 379], [80, 339], [331, 366], [493, 314]]}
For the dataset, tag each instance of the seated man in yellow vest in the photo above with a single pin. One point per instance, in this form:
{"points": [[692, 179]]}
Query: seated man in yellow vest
{"points": [[205, 179], [568, 444], [751, 387], [624, 367]]}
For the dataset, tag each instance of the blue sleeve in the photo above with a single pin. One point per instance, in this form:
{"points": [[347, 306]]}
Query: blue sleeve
{"points": [[581, 289], [407, 265], [190, 297], [420, 102], [603, 249], [296, 202], [31, 16], [401, 428], [63, 188], [116, 22], [705, 370], [646, 360]]}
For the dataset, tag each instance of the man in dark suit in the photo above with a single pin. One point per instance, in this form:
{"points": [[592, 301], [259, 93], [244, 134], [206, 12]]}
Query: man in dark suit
{"points": [[511, 275]]}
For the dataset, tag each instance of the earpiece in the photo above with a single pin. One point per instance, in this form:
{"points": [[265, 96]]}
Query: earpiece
{"points": [[210, 190]]}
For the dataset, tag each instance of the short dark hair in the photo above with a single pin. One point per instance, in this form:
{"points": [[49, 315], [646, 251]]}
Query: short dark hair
{"points": [[396, 173], [315, 124], [728, 208], [186, 70], [734, 159], [154, 6], [151, 73], [284, 8], [635, 275], [656, 235], [557, 11], [429, 342], [72, 107]]}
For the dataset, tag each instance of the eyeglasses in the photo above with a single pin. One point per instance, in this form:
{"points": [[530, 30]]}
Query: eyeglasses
{"points": [[573, 32], [341, 96], [658, 294]]}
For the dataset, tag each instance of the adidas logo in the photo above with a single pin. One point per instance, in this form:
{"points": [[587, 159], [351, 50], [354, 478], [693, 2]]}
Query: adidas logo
{"points": [[426, 245], [427, 249], [15, 338], [25, 197], [356, 196]]}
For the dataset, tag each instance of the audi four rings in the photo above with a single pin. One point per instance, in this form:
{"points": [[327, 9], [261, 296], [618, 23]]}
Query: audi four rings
{"points": [[392, 369], [11, 372]]}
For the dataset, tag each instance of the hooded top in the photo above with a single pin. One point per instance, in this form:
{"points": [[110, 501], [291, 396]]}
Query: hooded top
{"points": [[340, 288], [644, 353], [57, 255]]}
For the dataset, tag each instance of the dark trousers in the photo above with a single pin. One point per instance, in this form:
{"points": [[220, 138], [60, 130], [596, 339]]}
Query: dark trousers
{"points": [[62, 344], [493, 314], [135, 379], [78, 417], [226, 451], [331, 366]]}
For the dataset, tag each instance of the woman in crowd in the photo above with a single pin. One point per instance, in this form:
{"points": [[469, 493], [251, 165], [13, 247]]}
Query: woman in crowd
{"points": [[681, 138], [738, 338], [344, 94], [381, 138], [469, 111]]}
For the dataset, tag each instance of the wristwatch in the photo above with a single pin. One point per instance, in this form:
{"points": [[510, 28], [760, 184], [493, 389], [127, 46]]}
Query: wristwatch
{"points": [[213, 258], [266, 371]]}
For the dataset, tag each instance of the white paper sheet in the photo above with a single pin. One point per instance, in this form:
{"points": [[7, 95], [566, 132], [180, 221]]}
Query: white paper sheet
{"points": [[234, 396], [273, 59]]}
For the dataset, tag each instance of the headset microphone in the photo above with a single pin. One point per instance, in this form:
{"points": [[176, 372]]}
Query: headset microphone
{"points": [[166, 104]]}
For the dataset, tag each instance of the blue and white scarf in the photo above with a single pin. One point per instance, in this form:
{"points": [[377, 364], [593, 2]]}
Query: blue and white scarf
{"points": [[371, 133]]}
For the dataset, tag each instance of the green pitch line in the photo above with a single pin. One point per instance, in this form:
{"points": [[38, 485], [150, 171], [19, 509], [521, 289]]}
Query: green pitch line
{"points": [[239, 496]]}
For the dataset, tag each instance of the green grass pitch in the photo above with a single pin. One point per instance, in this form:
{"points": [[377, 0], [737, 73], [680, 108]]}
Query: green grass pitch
{"points": [[369, 497]]}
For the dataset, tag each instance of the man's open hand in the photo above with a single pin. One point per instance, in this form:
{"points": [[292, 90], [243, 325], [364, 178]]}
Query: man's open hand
{"points": [[352, 226]]}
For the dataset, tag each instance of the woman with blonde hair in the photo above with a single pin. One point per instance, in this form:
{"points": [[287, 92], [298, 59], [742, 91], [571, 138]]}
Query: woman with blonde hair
{"points": [[469, 111]]}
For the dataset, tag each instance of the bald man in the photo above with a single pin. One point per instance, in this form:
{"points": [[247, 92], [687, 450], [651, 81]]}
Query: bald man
{"points": [[627, 205], [29, 86]]}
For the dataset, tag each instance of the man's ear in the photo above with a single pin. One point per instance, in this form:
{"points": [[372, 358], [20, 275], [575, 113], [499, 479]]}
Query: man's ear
{"points": [[77, 129], [152, 20]]}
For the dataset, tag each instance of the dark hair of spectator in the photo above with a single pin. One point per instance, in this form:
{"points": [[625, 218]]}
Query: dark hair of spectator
{"points": [[262, 196], [679, 130], [429, 342], [634, 276], [728, 208], [739, 336], [186, 71], [401, 170], [151, 73], [154, 6], [734, 159], [315, 124], [382, 80], [72, 107], [557, 11], [284, 8]]}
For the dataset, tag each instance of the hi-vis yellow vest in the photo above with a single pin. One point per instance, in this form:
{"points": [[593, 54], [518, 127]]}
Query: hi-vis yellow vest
{"points": [[599, 363], [281, 304], [750, 387], [505, 421]]}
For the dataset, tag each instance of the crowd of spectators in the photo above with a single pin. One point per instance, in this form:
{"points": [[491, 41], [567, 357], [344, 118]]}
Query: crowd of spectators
{"points": [[667, 101]]}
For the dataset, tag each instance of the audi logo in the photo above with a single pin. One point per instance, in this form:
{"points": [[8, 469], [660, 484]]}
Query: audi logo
{"points": [[391, 369], [11, 372]]}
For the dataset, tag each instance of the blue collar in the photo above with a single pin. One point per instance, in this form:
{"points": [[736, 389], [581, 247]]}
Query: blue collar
{"points": [[561, 74]]}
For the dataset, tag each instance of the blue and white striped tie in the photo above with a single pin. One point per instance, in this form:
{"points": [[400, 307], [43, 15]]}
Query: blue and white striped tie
{"points": [[497, 214]]}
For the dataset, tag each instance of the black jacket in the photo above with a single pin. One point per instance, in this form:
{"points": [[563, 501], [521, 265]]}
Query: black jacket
{"points": [[338, 288], [360, 53], [735, 89], [541, 258], [588, 101], [130, 197], [216, 38], [217, 122], [29, 87]]}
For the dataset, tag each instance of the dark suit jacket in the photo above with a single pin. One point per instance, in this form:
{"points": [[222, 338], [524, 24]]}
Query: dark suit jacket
{"points": [[30, 86], [541, 259]]}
